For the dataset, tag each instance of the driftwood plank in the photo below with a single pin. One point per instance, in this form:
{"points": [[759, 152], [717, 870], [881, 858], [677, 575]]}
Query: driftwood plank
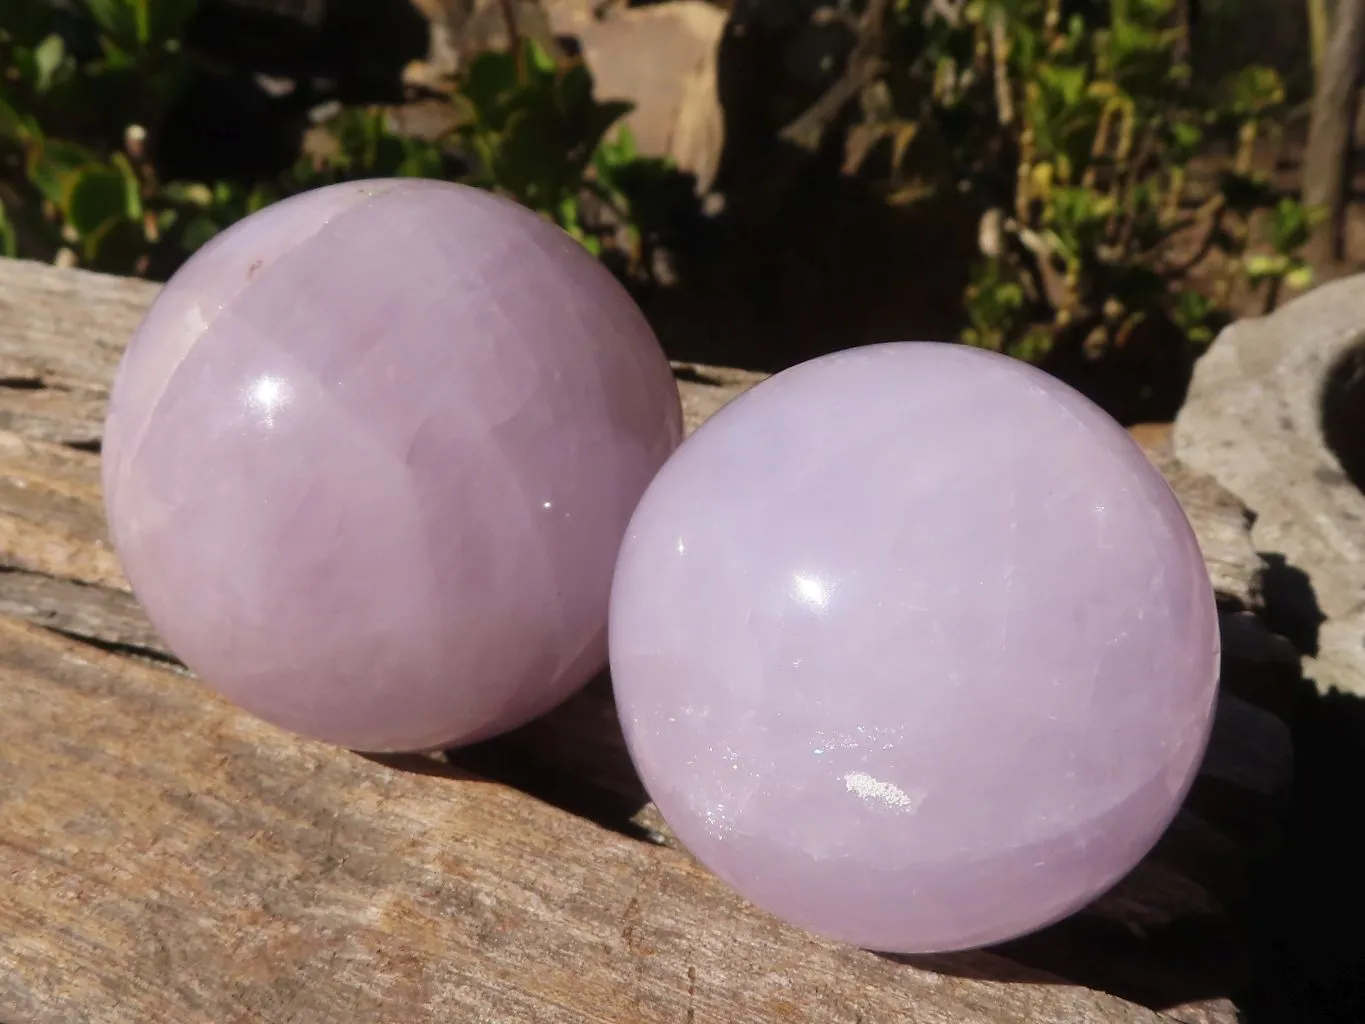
{"points": [[66, 328], [168, 859], [195, 841], [51, 512]]}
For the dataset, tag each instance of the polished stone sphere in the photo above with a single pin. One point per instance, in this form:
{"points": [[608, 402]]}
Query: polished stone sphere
{"points": [[370, 456], [914, 647]]}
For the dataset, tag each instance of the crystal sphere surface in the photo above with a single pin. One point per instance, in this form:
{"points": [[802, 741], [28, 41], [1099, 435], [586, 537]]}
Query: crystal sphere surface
{"points": [[914, 648], [370, 456]]}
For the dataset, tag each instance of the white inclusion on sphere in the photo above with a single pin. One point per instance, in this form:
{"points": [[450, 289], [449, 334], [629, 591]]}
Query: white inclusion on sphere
{"points": [[811, 591], [195, 322], [267, 396], [874, 791]]}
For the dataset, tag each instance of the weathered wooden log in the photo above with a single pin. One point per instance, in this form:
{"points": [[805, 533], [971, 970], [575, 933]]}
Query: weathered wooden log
{"points": [[166, 858]]}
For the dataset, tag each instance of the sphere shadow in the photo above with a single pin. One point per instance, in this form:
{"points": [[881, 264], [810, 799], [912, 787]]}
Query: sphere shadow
{"points": [[1188, 962], [1291, 949], [573, 758], [1178, 930], [1291, 604], [421, 764], [1309, 951]]}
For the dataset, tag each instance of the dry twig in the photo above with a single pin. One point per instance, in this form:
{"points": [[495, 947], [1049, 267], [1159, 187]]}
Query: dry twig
{"points": [[865, 65]]}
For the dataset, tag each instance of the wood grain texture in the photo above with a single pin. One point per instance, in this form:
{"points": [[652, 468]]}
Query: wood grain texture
{"points": [[168, 859], [51, 513], [164, 858]]}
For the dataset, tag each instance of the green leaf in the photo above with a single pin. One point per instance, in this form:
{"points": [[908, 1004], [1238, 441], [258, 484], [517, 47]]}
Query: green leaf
{"points": [[1190, 307], [540, 58], [568, 214], [486, 85], [198, 232], [118, 247], [118, 19], [1292, 225], [162, 22], [259, 198], [1065, 83], [117, 58], [141, 26], [573, 92], [50, 164], [93, 196], [421, 162], [14, 125], [530, 160], [1253, 91], [1266, 266], [1300, 278], [192, 193], [601, 119], [48, 58], [1185, 138], [132, 187], [625, 149], [9, 241], [1194, 314]]}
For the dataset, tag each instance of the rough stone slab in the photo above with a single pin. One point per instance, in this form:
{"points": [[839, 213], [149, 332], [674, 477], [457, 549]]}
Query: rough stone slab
{"points": [[663, 59], [1254, 421]]}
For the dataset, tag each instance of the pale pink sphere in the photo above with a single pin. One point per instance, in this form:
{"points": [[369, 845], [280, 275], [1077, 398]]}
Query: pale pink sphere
{"points": [[914, 647], [370, 456]]}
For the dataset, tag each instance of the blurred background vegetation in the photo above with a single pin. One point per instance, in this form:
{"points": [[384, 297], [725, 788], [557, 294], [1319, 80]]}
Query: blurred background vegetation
{"points": [[1093, 185]]}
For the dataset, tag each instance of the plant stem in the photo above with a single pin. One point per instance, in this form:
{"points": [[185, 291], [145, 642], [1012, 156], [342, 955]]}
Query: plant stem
{"points": [[509, 15], [1000, 53], [1328, 158], [1319, 28]]}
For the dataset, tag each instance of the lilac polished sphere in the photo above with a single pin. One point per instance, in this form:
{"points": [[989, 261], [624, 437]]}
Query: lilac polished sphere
{"points": [[370, 456], [914, 647]]}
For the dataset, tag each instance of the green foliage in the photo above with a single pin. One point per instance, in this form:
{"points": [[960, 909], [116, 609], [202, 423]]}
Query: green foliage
{"points": [[1119, 191], [1080, 129], [141, 26], [77, 141], [361, 144], [536, 132], [9, 241], [96, 201], [637, 189]]}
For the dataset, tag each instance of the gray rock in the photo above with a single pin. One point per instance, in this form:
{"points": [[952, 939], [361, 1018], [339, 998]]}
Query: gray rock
{"points": [[1276, 414], [662, 58]]}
